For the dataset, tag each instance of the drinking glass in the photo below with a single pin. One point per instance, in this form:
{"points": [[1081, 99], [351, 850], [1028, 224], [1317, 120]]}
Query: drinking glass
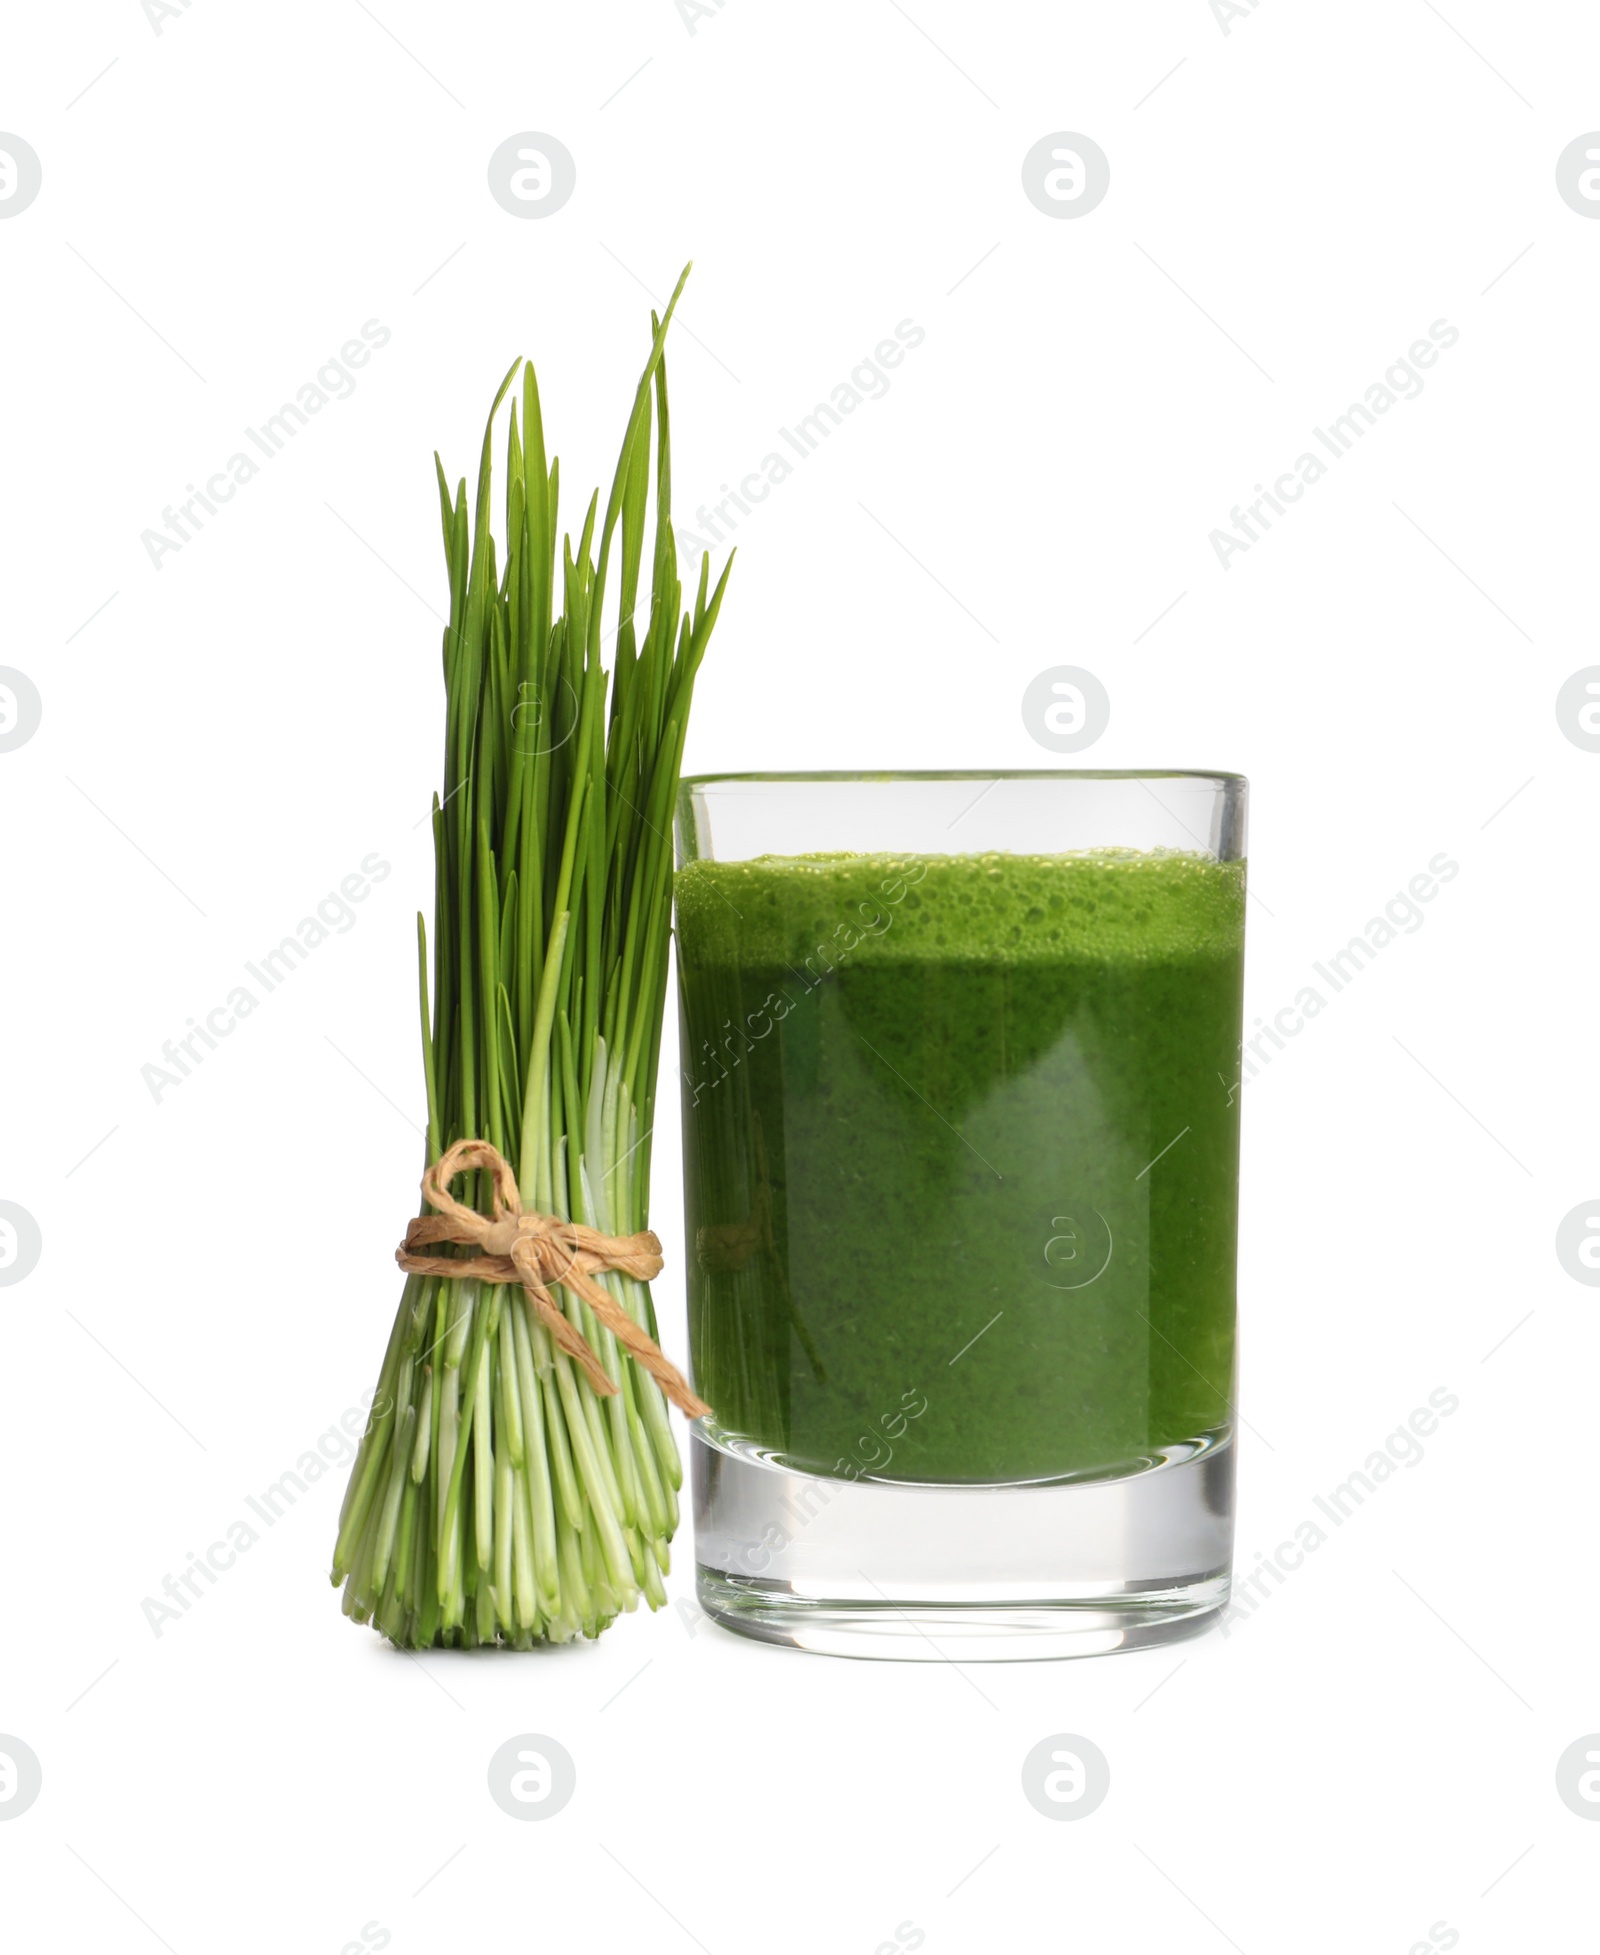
{"points": [[960, 1065]]}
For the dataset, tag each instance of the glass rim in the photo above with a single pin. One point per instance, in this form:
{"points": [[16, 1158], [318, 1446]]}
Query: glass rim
{"points": [[886, 775]]}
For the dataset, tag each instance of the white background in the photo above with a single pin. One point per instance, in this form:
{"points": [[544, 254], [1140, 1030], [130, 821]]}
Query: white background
{"points": [[1371, 1754]]}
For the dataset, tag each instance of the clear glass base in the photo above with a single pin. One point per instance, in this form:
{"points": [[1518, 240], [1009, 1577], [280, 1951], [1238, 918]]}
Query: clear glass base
{"points": [[963, 1574]]}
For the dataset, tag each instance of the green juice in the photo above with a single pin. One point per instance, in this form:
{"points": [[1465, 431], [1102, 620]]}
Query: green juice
{"points": [[961, 1146]]}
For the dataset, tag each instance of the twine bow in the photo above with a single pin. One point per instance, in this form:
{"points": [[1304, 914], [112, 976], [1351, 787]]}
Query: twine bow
{"points": [[518, 1245]]}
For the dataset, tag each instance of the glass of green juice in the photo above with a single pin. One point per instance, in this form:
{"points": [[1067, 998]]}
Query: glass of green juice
{"points": [[960, 1063]]}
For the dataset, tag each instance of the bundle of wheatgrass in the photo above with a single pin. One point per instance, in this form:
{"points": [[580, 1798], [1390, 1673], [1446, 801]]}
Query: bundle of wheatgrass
{"points": [[498, 1496]]}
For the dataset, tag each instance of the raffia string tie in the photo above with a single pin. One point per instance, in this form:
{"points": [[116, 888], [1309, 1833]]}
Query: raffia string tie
{"points": [[518, 1245]]}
